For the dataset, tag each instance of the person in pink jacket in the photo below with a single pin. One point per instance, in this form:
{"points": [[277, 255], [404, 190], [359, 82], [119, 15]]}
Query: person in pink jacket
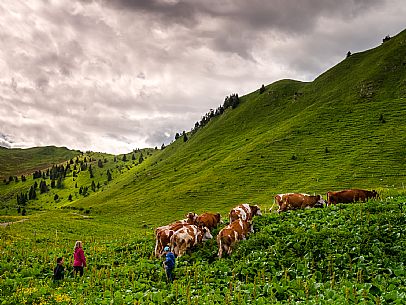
{"points": [[79, 259]]}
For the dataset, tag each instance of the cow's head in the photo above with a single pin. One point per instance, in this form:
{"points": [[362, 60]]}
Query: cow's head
{"points": [[375, 194], [320, 202], [191, 217], [206, 234], [256, 211]]}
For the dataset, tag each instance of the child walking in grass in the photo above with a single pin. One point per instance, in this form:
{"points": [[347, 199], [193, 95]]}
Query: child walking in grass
{"points": [[79, 261], [169, 264], [59, 270]]}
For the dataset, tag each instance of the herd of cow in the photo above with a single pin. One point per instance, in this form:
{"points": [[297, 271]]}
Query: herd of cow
{"points": [[195, 229]]}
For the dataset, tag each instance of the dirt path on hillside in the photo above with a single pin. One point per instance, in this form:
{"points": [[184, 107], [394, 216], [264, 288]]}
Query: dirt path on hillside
{"points": [[5, 224]]}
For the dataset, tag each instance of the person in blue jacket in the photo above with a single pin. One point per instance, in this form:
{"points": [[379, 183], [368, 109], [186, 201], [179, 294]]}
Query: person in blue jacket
{"points": [[169, 264]]}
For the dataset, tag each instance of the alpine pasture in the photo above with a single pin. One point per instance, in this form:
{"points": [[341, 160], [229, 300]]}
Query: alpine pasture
{"points": [[346, 129]]}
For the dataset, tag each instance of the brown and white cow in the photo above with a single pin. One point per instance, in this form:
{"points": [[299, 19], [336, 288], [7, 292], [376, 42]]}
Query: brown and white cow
{"points": [[245, 212], [163, 236], [295, 201], [187, 237], [208, 220], [278, 199], [231, 234], [348, 196]]}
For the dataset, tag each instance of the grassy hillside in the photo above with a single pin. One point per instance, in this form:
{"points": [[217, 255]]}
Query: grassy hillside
{"points": [[17, 162], [345, 129]]}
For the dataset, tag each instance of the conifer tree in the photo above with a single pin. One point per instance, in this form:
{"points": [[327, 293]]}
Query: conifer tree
{"points": [[59, 182], [91, 171], [43, 188]]}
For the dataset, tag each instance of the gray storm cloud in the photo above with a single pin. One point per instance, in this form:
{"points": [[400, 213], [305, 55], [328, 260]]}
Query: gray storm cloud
{"points": [[113, 76]]}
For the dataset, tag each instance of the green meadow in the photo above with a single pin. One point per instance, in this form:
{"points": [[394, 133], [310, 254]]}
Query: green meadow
{"points": [[345, 129]]}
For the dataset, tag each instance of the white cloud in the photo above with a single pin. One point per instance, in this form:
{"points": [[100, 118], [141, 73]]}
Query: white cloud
{"points": [[117, 75]]}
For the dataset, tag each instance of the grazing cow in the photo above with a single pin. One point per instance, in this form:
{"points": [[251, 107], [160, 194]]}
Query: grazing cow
{"points": [[187, 237], [245, 212], [208, 220], [163, 236], [299, 201], [279, 199], [348, 196], [231, 234]]}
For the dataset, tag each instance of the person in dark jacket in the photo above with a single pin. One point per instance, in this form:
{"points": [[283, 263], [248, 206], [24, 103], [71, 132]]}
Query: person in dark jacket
{"points": [[169, 264], [79, 261], [59, 270]]}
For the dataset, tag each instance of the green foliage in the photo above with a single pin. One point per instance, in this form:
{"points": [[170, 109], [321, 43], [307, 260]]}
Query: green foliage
{"points": [[343, 254]]}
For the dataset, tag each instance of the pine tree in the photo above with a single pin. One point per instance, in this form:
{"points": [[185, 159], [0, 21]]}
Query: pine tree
{"points": [[59, 183], [184, 136], [124, 158], [70, 197], [91, 171], [32, 194], [140, 159], [43, 188], [108, 175], [93, 186], [100, 163]]}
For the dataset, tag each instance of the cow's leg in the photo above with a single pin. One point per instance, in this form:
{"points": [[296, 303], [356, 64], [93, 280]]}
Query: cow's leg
{"points": [[156, 248]]}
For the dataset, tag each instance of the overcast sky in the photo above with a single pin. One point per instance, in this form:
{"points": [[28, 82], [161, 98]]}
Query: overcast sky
{"points": [[115, 75]]}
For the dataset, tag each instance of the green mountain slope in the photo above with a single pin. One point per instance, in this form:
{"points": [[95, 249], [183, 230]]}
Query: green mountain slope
{"points": [[17, 162], [345, 129]]}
